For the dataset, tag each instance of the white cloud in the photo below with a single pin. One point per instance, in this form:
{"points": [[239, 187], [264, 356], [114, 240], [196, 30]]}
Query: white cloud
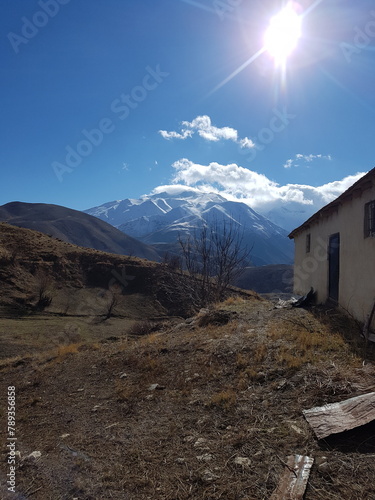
{"points": [[202, 126], [175, 135], [246, 143], [260, 192], [305, 158]]}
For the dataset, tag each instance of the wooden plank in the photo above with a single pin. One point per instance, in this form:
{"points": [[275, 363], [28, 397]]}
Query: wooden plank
{"points": [[339, 417], [293, 482]]}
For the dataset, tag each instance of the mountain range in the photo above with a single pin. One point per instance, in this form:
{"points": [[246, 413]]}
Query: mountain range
{"points": [[161, 218], [73, 226]]}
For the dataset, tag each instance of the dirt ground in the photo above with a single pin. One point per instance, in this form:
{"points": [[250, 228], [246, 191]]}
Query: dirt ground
{"points": [[168, 415]]}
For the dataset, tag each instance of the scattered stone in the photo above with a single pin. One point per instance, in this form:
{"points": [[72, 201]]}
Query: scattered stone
{"points": [[207, 457], [154, 387], [180, 460], [63, 436], [242, 461], [209, 476], [281, 384], [200, 443], [80, 390]]}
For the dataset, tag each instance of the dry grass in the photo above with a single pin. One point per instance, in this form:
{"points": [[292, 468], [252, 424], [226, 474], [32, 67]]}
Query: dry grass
{"points": [[298, 346], [224, 399], [227, 391]]}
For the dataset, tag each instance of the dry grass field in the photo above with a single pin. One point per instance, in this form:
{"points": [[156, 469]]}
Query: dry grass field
{"points": [[165, 414], [124, 392]]}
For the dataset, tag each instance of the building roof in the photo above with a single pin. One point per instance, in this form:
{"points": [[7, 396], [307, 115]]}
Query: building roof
{"points": [[365, 182]]}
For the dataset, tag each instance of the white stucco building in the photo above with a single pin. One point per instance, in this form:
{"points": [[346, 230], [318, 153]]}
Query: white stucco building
{"points": [[335, 250]]}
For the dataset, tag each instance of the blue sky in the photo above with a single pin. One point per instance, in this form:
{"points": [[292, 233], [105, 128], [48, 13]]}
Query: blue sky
{"points": [[69, 67]]}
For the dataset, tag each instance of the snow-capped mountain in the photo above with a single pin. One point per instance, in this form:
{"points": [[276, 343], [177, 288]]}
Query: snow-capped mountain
{"points": [[160, 218]]}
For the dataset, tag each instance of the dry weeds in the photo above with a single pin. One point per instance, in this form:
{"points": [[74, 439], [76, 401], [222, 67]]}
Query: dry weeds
{"points": [[164, 416]]}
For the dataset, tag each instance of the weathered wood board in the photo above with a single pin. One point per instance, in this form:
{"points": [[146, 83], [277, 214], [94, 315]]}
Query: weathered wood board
{"points": [[293, 482], [339, 417]]}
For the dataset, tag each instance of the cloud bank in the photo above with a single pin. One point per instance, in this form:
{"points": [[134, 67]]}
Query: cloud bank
{"points": [[287, 205], [202, 126]]}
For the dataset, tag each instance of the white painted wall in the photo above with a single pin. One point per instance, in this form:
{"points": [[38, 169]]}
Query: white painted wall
{"points": [[357, 257]]}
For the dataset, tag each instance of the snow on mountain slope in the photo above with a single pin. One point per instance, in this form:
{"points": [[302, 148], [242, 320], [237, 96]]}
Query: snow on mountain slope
{"points": [[160, 218], [291, 215]]}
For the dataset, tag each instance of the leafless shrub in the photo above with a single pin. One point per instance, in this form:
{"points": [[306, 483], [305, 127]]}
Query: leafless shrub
{"points": [[44, 288], [173, 261], [141, 328], [113, 300], [216, 256]]}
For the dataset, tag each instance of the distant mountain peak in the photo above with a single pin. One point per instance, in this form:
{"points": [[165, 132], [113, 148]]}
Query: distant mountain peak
{"points": [[157, 219]]}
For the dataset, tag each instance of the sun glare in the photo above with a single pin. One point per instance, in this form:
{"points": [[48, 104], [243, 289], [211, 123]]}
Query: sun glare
{"points": [[282, 34]]}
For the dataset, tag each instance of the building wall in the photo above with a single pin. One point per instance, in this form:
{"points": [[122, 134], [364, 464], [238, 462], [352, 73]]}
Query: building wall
{"points": [[357, 257]]}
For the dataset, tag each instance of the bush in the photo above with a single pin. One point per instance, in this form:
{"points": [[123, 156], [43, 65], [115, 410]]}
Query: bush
{"points": [[141, 328]]}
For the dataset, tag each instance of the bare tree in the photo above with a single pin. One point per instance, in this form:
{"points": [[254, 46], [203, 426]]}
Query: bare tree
{"points": [[230, 255], [113, 300], [44, 289], [216, 255]]}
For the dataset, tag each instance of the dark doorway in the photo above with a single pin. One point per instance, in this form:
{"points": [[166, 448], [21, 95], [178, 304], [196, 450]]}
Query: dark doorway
{"points": [[334, 266]]}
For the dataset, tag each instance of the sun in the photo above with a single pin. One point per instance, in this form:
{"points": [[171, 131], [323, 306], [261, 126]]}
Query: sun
{"points": [[282, 34]]}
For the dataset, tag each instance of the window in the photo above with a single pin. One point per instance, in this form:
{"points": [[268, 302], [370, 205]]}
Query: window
{"points": [[308, 243], [370, 219]]}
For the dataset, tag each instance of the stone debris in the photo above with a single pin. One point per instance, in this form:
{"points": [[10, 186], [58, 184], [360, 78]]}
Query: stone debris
{"points": [[207, 457], [242, 461], [200, 443], [208, 476], [154, 387]]}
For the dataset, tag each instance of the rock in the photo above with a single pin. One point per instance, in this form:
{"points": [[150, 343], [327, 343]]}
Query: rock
{"points": [[209, 476], [154, 387], [207, 457], [242, 461], [34, 454], [123, 375], [200, 443], [180, 460], [63, 436], [281, 384]]}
